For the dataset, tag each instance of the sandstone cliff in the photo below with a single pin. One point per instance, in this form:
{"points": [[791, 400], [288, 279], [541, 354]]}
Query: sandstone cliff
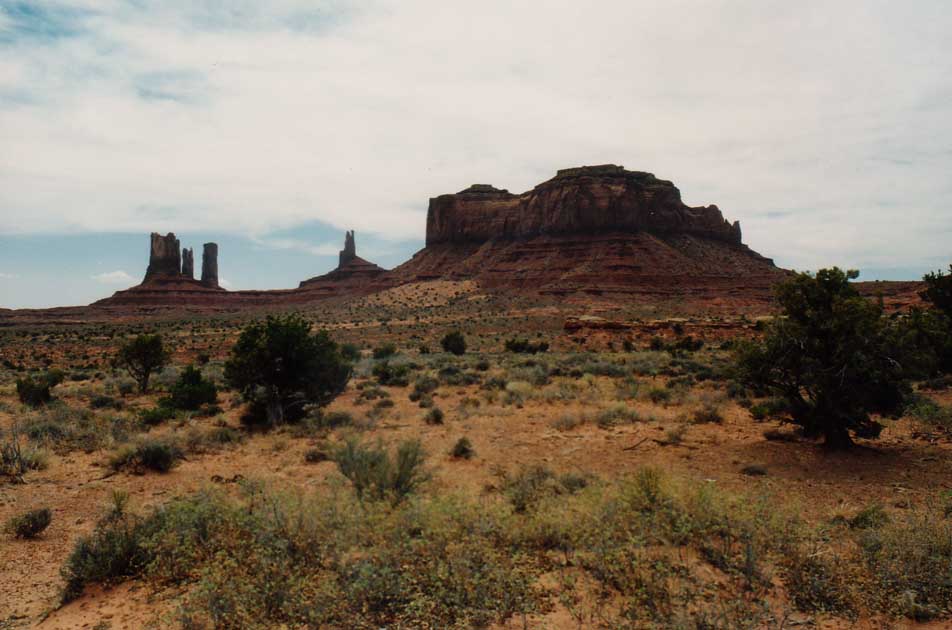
{"points": [[577, 201]]}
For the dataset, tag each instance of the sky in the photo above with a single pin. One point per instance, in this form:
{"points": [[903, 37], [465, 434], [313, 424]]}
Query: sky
{"points": [[825, 127]]}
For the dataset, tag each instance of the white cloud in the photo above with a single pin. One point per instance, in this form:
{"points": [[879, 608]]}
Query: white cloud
{"points": [[323, 249], [113, 277], [224, 283], [259, 117], [8, 276]]}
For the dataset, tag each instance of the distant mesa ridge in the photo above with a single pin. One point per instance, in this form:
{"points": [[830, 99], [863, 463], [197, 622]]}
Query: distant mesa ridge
{"points": [[601, 230], [581, 200]]}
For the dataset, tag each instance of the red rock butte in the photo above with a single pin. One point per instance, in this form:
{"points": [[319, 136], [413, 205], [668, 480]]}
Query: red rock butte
{"points": [[598, 230]]}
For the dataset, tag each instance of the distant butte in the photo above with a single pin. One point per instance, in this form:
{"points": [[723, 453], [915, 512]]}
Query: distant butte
{"points": [[595, 230]]}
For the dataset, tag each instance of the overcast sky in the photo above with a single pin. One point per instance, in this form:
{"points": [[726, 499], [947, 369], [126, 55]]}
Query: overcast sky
{"points": [[824, 126]]}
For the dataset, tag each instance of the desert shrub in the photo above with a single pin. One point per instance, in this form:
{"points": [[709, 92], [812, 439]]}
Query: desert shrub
{"points": [[35, 391], [156, 415], [454, 342], [372, 393], [769, 408], [30, 524], [350, 352], [659, 395], [870, 516], [385, 351], [392, 375], [434, 416], [151, 454], [524, 346], [830, 356], [517, 392], [192, 390], [463, 449], [707, 414], [16, 461], [141, 357], [280, 367], [113, 551], [378, 476], [929, 414], [909, 561], [102, 401], [424, 385], [817, 583], [617, 414]]}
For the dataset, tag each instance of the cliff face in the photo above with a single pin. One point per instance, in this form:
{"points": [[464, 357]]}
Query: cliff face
{"points": [[593, 229], [577, 201]]}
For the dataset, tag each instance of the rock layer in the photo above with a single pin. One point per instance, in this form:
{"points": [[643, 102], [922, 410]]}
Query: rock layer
{"points": [[577, 201], [188, 263], [210, 265], [165, 257], [352, 274]]}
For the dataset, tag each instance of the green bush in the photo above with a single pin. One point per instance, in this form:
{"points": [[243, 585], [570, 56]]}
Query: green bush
{"points": [[30, 524], [141, 357], [463, 449], [35, 391], [280, 368], [434, 416], [385, 351], [524, 346], [114, 550], [376, 475], [454, 342], [392, 375], [191, 390], [831, 356], [150, 454], [156, 415]]}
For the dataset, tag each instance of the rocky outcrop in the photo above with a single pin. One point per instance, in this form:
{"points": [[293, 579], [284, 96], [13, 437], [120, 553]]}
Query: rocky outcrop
{"points": [[188, 263], [210, 265], [352, 274], [599, 230], [164, 256], [350, 249], [577, 201]]}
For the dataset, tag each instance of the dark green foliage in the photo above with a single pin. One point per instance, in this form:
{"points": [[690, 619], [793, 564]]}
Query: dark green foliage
{"points": [[385, 351], [191, 390], [35, 390], [463, 449], [113, 551], [524, 346], [392, 375], [938, 291], [350, 352], [279, 367], [102, 401], [376, 475], [151, 454], [830, 356], [434, 416], [31, 524], [143, 356], [157, 415], [454, 342]]}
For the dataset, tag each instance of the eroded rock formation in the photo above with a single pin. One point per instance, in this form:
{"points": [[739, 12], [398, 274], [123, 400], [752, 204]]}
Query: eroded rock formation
{"points": [[188, 263], [577, 201], [600, 230], [351, 274], [210, 265], [165, 257]]}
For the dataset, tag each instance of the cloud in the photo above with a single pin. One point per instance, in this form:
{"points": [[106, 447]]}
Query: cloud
{"points": [[113, 277], [323, 249], [819, 125], [8, 276], [224, 283]]}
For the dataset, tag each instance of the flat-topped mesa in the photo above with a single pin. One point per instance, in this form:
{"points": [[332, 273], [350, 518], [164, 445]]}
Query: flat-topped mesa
{"points": [[188, 263], [165, 257], [583, 200], [210, 265]]}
